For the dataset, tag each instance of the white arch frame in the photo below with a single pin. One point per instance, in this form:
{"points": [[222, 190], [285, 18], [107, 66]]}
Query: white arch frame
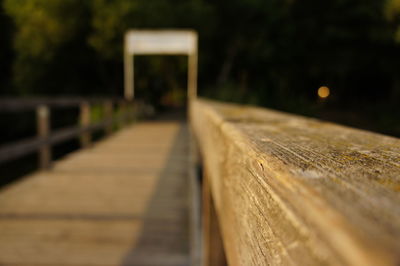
{"points": [[160, 42]]}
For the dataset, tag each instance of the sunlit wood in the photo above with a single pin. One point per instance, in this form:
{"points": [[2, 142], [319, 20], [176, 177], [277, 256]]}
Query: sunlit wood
{"points": [[121, 202], [295, 191]]}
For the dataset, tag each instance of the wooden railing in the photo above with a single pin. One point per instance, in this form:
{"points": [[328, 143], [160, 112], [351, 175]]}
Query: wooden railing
{"points": [[287, 190], [115, 111]]}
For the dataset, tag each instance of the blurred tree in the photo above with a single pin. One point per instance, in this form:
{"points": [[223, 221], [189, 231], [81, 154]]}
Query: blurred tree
{"points": [[277, 53], [6, 54], [268, 52], [392, 12], [48, 58], [110, 20]]}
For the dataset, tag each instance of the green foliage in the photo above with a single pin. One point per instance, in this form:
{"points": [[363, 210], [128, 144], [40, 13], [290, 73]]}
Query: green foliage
{"points": [[43, 27], [270, 52], [287, 49], [392, 12], [6, 54], [110, 19]]}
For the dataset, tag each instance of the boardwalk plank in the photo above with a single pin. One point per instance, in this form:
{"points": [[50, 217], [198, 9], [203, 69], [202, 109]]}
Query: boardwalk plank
{"points": [[121, 202]]}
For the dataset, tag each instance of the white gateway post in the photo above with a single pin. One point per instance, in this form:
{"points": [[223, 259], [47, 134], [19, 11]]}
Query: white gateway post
{"points": [[162, 42]]}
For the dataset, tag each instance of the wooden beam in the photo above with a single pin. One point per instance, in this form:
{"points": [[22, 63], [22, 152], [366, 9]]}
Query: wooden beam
{"points": [[129, 74], [45, 139], [85, 138], [192, 75], [27, 104], [43, 132], [289, 190], [213, 250], [22, 148], [160, 42]]}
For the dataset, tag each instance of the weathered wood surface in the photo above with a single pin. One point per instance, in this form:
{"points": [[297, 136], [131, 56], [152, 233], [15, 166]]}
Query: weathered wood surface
{"points": [[121, 202], [213, 249], [295, 191]]}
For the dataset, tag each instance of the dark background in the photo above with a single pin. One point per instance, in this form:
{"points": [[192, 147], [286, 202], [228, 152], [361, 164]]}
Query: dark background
{"points": [[272, 53]]}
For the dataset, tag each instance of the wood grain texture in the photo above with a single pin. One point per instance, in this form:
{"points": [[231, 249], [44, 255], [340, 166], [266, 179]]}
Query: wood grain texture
{"points": [[291, 190], [121, 202], [213, 250]]}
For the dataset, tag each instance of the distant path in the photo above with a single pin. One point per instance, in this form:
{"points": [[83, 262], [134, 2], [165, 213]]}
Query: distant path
{"points": [[122, 202]]}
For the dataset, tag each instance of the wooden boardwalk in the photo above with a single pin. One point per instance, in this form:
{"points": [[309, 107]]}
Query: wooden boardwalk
{"points": [[122, 202]]}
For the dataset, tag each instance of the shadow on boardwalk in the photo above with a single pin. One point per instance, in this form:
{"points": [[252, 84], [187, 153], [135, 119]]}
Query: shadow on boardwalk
{"points": [[164, 236]]}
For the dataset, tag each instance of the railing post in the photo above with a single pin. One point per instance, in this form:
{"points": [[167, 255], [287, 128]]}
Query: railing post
{"points": [[213, 248], [43, 130], [85, 137], [108, 115]]}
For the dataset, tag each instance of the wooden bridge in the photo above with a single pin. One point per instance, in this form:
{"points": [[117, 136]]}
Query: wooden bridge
{"points": [[123, 201], [274, 188], [278, 189]]}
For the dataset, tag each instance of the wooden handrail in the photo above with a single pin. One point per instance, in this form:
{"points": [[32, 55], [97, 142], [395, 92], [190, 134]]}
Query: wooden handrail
{"points": [[27, 104], [45, 138], [289, 190]]}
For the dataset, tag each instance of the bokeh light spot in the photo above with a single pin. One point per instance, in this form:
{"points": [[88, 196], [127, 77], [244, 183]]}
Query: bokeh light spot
{"points": [[323, 92]]}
